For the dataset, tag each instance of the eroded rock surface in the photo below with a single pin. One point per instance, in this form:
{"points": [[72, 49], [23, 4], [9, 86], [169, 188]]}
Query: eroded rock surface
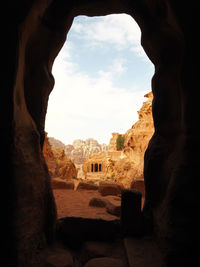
{"points": [[58, 164], [128, 164]]}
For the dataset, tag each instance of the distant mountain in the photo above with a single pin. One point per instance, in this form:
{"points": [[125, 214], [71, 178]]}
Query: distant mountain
{"points": [[80, 149]]}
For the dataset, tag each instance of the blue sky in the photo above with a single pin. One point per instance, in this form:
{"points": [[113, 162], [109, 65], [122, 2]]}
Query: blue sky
{"points": [[101, 75]]}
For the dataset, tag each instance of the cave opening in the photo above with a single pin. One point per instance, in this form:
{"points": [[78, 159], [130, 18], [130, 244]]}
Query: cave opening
{"points": [[101, 76], [169, 41], [102, 71]]}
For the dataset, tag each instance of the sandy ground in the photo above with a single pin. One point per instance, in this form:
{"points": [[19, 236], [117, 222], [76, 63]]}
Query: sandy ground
{"points": [[72, 203]]}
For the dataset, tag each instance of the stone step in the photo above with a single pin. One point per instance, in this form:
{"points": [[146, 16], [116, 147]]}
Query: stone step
{"points": [[143, 252], [75, 230]]}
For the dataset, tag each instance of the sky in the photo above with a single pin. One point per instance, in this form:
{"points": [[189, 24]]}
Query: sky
{"points": [[101, 76]]}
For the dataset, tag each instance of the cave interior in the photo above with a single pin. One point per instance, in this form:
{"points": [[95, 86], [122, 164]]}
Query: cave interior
{"points": [[33, 34]]}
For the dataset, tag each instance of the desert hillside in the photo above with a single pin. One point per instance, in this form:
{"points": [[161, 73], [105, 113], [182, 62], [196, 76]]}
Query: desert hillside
{"points": [[124, 164], [79, 150]]}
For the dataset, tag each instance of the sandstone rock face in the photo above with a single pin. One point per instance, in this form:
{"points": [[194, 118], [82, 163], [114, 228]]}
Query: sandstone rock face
{"points": [[136, 142], [112, 145], [58, 164], [126, 165]]}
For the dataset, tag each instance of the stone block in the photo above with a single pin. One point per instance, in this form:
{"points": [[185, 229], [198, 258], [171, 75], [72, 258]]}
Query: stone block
{"points": [[58, 183], [98, 202], [87, 186], [106, 188], [113, 209], [59, 258], [131, 215], [74, 230]]}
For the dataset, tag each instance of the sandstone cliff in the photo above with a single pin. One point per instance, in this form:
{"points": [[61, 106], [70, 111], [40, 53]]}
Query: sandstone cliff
{"points": [[126, 165], [112, 144], [58, 163], [137, 139]]}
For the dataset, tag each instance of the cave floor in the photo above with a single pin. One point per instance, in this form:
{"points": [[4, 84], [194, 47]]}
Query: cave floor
{"points": [[127, 252], [73, 212], [72, 203]]}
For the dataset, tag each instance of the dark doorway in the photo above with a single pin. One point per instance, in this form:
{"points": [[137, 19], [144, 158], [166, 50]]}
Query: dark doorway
{"points": [[100, 167], [96, 167]]}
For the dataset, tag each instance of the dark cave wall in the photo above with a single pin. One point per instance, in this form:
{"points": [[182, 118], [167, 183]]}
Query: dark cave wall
{"points": [[33, 36], [32, 210]]}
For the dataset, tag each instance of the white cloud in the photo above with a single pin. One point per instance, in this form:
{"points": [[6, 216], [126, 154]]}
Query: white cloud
{"points": [[79, 99], [78, 27], [120, 30], [118, 66]]}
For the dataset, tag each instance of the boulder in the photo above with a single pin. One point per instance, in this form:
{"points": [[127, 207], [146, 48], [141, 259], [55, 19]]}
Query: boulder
{"points": [[113, 209], [98, 202], [106, 188], [59, 258], [58, 183], [86, 186], [112, 206]]}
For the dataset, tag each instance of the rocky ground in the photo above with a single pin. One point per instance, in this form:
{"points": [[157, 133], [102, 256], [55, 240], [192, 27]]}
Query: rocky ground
{"points": [[91, 254], [73, 203], [82, 206], [88, 232]]}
